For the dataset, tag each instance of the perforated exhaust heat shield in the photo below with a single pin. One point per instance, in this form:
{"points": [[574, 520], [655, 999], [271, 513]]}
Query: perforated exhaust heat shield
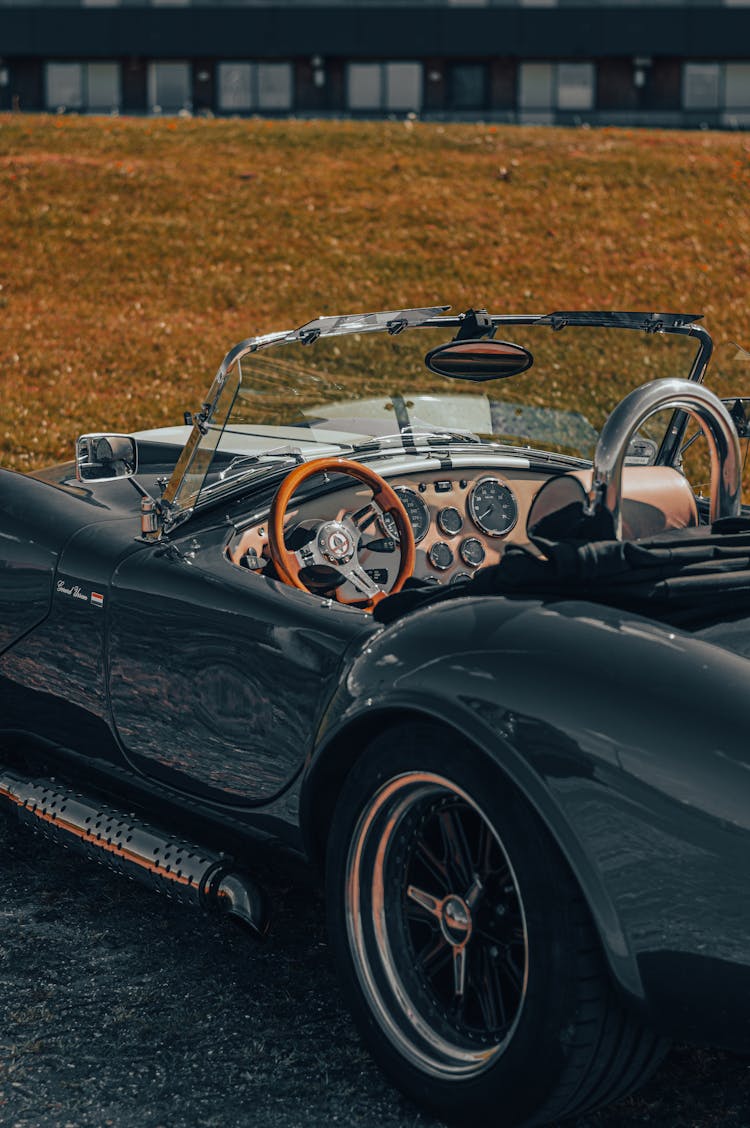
{"points": [[181, 870]]}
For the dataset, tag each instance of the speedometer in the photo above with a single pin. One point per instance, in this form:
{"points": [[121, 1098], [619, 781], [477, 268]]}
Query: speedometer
{"points": [[493, 507], [416, 511]]}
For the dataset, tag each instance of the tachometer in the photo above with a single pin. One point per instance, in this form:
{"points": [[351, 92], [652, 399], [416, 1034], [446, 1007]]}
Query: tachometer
{"points": [[416, 511], [493, 507]]}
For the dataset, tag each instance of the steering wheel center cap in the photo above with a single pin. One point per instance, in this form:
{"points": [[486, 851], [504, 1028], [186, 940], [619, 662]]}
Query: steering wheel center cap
{"points": [[455, 921], [336, 542]]}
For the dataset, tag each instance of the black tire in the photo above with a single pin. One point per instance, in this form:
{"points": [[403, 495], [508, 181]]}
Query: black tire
{"points": [[466, 951]]}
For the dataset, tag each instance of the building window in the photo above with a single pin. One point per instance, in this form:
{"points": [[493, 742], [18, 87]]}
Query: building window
{"points": [[169, 89], [556, 86], [103, 87], [737, 86], [468, 84], [365, 86], [83, 86], [535, 86], [64, 86], [403, 86], [384, 86], [255, 86], [274, 86], [235, 86], [700, 86], [575, 86]]}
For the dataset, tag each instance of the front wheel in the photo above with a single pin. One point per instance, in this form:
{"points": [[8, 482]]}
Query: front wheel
{"points": [[466, 950]]}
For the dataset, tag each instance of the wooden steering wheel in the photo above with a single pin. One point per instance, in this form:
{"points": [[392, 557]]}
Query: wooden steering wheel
{"points": [[334, 544]]}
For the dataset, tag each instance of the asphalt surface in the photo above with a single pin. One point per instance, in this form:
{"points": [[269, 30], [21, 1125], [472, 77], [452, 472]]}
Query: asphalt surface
{"points": [[119, 1008]]}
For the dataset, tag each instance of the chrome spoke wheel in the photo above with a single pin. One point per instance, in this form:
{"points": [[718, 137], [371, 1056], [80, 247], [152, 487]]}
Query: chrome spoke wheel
{"points": [[436, 925]]}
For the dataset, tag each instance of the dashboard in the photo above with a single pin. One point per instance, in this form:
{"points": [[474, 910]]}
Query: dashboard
{"points": [[462, 519], [463, 516]]}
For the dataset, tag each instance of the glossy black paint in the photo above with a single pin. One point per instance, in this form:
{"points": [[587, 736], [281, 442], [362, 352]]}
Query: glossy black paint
{"points": [[199, 651], [36, 522], [54, 675], [630, 740], [27, 568], [202, 687]]}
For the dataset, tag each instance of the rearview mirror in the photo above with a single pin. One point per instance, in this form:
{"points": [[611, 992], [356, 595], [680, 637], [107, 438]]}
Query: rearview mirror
{"points": [[739, 409], [479, 360], [101, 458]]}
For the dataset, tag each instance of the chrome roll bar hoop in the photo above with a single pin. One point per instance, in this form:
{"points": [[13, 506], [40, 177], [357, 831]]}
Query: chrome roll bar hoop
{"points": [[682, 395]]}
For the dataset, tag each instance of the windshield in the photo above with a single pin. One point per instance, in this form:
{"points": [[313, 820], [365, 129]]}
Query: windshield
{"points": [[360, 387]]}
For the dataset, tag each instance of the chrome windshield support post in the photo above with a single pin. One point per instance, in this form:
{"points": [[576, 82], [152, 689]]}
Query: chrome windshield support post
{"points": [[678, 395], [152, 520]]}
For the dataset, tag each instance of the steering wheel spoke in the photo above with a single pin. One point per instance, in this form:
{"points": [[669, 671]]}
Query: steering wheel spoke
{"points": [[364, 517], [368, 591]]}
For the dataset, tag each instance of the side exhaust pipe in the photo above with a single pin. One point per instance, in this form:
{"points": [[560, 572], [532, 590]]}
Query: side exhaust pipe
{"points": [[181, 870]]}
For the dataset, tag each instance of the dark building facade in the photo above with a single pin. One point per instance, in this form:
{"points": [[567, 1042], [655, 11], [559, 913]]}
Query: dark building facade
{"points": [[535, 61]]}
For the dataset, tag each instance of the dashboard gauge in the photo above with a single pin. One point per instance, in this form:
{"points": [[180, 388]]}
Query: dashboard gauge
{"points": [[492, 507], [440, 555], [471, 552], [450, 521], [459, 578], [416, 511]]}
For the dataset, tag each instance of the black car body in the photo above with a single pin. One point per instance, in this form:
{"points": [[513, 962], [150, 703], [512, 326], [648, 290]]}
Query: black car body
{"points": [[531, 798]]}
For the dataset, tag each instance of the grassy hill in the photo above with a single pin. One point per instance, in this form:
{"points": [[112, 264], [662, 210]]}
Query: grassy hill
{"points": [[133, 253]]}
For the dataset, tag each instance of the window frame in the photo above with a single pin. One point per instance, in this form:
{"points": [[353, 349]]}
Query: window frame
{"points": [[383, 103], [85, 104]]}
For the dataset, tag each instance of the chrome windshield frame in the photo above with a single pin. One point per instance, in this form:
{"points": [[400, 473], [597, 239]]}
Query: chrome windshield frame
{"points": [[434, 317]]}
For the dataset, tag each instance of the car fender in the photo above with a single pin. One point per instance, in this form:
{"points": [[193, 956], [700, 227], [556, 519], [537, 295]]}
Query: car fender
{"points": [[38, 517], [29, 548], [593, 713]]}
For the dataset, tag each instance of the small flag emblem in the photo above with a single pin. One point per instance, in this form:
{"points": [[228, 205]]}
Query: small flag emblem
{"points": [[97, 599]]}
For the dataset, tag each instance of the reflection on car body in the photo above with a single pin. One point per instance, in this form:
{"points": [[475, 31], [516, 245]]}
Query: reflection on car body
{"points": [[470, 641]]}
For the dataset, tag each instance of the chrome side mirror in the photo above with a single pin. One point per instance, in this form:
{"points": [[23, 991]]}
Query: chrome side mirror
{"points": [[101, 457]]}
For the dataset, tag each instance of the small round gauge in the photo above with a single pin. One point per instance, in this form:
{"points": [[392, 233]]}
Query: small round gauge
{"points": [[492, 507], [416, 511], [459, 578], [471, 552], [450, 521], [440, 555]]}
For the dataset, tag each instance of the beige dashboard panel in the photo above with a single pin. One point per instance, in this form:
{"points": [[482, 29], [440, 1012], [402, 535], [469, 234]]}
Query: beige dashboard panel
{"points": [[656, 498]]}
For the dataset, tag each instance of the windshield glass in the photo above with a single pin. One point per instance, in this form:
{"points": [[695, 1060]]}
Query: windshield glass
{"points": [[355, 392]]}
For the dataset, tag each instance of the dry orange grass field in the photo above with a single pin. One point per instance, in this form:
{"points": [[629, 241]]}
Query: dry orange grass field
{"points": [[133, 253]]}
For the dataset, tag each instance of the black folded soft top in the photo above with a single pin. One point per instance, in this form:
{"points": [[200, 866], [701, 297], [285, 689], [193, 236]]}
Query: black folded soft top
{"points": [[687, 577]]}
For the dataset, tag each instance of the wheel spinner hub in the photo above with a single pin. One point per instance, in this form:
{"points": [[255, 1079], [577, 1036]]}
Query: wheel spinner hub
{"points": [[455, 921]]}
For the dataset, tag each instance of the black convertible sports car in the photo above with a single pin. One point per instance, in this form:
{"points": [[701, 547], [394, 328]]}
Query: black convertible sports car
{"points": [[423, 598]]}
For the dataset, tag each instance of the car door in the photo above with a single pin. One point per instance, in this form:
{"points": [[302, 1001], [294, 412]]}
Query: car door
{"points": [[218, 675]]}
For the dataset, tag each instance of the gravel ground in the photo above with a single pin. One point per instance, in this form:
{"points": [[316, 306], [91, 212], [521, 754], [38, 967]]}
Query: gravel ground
{"points": [[120, 1008]]}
